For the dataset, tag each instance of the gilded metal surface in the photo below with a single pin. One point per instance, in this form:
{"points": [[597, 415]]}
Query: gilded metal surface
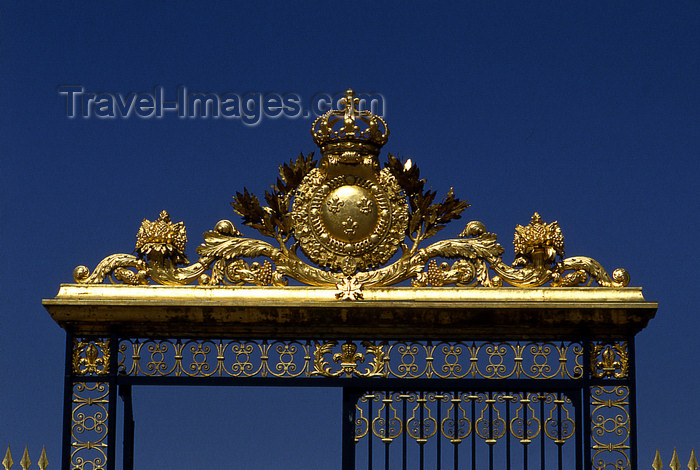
{"points": [[657, 464], [609, 360], [338, 132], [91, 357], [43, 461], [89, 426], [26, 461], [349, 223], [391, 359], [490, 421], [349, 360], [349, 216], [675, 463], [162, 239], [7, 462], [610, 428], [538, 243]]}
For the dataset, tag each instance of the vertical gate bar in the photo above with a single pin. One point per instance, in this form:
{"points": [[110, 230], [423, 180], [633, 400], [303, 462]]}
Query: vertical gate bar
{"points": [[404, 438], [421, 446], [586, 404], [578, 413], [128, 441], [633, 402], [438, 432], [67, 404], [455, 427], [507, 430], [370, 433], [472, 398], [560, 445], [387, 442], [491, 406], [350, 397], [525, 446], [543, 434], [112, 413]]}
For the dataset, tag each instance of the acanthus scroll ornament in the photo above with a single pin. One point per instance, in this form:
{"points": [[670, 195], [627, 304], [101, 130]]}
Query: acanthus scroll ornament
{"points": [[350, 217]]}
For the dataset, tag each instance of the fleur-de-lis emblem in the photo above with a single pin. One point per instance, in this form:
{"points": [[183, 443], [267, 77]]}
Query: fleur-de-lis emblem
{"points": [[613, 361], [365, 205], [91, 357], [334, 204], [348, 358], [349, 226]]}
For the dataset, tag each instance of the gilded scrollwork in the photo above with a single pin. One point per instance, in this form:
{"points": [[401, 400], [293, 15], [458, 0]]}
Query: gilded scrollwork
{"points": [[391, 359], [89, 426], [610, 428], [488, 417], [350, 217]]}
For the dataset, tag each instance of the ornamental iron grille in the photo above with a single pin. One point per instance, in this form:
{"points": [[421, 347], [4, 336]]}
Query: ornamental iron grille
{"points": [[455, 371]]}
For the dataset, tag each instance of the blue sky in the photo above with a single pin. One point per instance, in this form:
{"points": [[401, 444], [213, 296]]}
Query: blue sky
{"points": [[588, 113]]}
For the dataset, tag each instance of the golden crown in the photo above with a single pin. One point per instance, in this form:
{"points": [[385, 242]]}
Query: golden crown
{"points": [[338, 132]]}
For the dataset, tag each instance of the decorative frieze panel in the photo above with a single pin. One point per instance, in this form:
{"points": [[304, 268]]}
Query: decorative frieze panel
{"points": [[389, 359]]}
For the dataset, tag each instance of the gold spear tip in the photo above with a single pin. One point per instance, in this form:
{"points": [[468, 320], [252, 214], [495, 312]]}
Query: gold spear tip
{"points": [[658, 464], [43, 461], [7, 462], [25, 462], [675, 463]]}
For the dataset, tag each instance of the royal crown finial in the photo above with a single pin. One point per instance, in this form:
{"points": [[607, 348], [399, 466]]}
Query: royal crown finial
{"points": [[334, 137]]}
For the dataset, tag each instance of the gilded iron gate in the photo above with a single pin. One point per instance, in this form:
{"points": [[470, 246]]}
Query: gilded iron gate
{"points": [[455, 371]]}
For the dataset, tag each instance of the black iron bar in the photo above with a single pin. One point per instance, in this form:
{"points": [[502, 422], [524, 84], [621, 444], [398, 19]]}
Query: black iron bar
{"points": [[473, 398], [387, 441], [128, 438], [370, 433], [560, 444], [491, 404], [67, 404], [375, 383], [543, 433], [112, 404], [438, 431], [507, 398], [421, 434], [404, 437], [586, 405], [350, 397], [455, 426], [578, 413], [632, 397]]}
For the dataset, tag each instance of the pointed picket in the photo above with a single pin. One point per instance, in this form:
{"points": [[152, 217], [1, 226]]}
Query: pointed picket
{"points": [[43, 461], [675, 463], [25, 462], [657, 464], [7, 461], [693, 462]]}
